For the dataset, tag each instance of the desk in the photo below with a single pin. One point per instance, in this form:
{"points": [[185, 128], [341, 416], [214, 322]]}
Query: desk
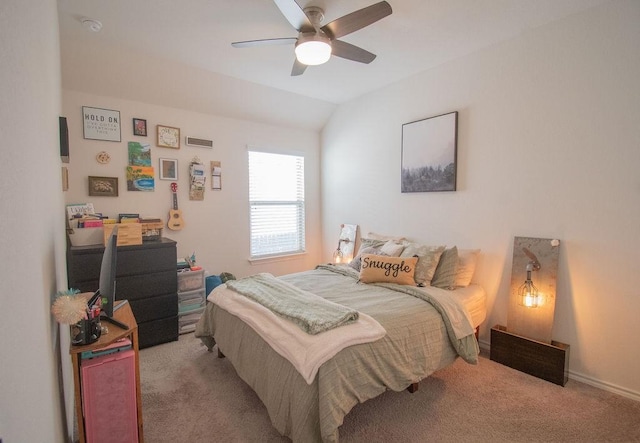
{"points": [[124, 315]]}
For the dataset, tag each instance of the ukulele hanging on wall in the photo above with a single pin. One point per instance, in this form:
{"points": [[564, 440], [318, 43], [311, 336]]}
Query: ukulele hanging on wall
{"points": [[175, 222]]}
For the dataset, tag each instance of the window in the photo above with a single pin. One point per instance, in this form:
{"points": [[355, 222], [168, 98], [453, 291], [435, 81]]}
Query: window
{"points": [[276, 198]]}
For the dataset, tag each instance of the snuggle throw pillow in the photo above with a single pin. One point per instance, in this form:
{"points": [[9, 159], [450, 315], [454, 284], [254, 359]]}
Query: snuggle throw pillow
{"points": [[384, 269]]}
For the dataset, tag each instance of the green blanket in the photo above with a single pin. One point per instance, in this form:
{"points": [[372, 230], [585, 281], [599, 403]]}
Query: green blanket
{"points": [[311, 313]]}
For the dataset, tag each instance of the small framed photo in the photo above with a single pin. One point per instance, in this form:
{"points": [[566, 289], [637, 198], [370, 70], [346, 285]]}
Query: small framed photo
{"points": [[168, 169], [168, 137], [140, 127], [103, 186]]}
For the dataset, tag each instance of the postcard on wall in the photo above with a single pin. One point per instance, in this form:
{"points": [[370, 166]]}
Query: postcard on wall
{"points": [[139, 154], [101, 124], [216, 175], [140, 178]]}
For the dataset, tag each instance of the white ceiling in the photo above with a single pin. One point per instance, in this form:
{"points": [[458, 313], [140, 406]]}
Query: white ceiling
{"points": [[419, 35]]}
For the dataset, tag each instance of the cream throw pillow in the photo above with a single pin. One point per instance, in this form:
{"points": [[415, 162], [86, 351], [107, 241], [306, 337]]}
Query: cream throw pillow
{"points": [[428, 258], [383, 269], [467, 260]]}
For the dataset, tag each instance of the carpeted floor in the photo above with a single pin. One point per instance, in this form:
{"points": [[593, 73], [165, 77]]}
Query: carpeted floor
{"points": [[190, 395]]}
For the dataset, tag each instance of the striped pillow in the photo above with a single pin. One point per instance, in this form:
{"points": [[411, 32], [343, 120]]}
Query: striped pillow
{"points": [[428, 258]]}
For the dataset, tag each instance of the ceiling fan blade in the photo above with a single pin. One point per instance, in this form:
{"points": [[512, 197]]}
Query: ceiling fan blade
{"points": [[357, 20], [351, 52], [294, 15], [265, 42], [298, 68]]}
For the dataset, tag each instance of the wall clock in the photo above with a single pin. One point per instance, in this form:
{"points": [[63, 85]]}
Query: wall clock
{"points": [[168, 137]]}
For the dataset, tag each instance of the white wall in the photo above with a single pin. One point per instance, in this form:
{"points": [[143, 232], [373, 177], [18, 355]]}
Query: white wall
{"points": [[549, 146], [32, 239], [217, 228]]}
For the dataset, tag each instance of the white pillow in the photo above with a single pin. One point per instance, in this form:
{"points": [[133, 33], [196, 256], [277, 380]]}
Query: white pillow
{"points": [[392, 249], [467, 260]]}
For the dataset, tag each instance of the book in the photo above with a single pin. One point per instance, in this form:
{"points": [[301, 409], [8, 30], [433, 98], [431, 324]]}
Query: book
{"points": [[93, 223], [79, 209], [128, 218]]}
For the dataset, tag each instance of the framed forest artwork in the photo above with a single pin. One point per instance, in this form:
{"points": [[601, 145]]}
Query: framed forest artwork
{"points": [[429, 154]]}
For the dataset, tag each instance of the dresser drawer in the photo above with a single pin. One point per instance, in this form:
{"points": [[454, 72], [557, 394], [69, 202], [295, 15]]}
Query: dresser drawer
{"points": [[135, 287], [83, 262], [158, 331], [153, 308]]}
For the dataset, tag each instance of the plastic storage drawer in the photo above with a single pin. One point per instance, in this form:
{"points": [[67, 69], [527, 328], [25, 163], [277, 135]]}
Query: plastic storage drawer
{"points": [[187, 322], [190, 301], [190, 280], [109, 398]]}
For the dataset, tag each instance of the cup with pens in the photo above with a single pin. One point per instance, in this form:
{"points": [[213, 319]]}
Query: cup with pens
{"points": [[87, 330]]}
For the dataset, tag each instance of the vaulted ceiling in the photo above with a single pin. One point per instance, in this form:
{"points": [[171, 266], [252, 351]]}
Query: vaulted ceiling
{"points": [[417, 36]]}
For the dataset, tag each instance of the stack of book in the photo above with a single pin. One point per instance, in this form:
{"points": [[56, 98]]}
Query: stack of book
{"points": [[151, 228]]}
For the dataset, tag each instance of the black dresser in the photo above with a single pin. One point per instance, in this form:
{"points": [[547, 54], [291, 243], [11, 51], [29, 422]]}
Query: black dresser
{"points": [[145, 275]]}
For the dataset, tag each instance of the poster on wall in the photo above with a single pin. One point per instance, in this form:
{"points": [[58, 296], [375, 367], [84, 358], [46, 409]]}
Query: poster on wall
{"points": [[140, 178], [429, 151], [100, 124], [139, 154]]}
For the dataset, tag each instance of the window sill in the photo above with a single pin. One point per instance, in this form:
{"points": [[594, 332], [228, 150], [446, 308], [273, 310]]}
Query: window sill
{"points": [[276, 258]]}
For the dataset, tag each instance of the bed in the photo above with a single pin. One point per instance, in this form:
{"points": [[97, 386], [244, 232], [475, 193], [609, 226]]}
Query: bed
{"points": [[419, 340]]}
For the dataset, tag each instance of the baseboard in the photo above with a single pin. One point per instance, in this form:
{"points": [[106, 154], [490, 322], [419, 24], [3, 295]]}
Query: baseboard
{"points": [[485, 347], [609, 387]]}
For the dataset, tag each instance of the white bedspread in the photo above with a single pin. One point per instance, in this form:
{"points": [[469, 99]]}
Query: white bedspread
{"points": [[305, 352]]}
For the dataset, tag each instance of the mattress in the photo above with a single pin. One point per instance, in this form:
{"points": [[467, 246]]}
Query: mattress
{"points": [[474, 299]]}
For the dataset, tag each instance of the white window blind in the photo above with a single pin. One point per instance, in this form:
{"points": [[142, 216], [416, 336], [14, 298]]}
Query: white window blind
{"points": [[276, 197]]}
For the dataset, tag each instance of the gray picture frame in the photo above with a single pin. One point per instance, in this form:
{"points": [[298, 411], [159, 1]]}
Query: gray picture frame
{"points": [[429, 154]]}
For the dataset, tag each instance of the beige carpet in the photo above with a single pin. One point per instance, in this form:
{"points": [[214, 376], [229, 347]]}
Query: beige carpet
{"points": [[190, 395]]}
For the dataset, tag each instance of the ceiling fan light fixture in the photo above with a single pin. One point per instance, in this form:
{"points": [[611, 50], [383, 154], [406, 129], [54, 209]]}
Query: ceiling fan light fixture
{"points": [[313, 49]]}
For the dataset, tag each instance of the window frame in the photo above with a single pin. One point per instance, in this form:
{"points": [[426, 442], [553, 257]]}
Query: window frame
{"points": [[299, 204]]}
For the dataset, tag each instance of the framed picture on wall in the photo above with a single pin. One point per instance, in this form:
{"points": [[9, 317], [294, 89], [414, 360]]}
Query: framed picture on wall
{"points": [[168, 136], [103, 186], [140, 127], [168, 169], [100, 124], [429, 154]]}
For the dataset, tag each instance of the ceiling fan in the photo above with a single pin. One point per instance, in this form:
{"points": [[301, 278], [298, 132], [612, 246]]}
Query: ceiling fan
{"points": [[315, 44]]}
